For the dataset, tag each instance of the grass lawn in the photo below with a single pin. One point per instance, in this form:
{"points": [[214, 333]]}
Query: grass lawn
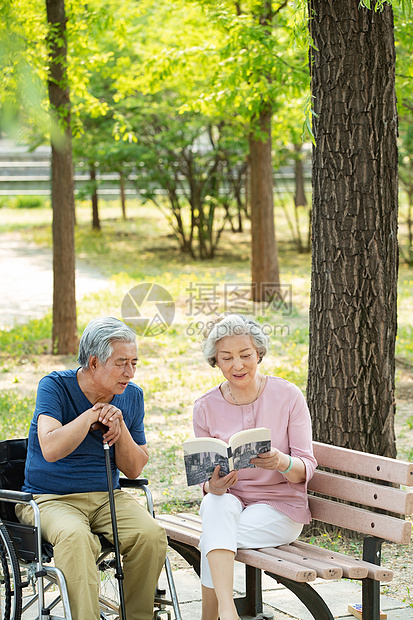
{"points": [[171, 368]]}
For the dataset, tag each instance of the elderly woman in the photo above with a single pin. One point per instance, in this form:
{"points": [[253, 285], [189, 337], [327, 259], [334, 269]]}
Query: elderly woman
{"points": [[264, 506]]}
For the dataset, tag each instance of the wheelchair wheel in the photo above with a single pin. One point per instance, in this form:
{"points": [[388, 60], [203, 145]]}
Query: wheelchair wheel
{"points": [[109, 599], [10, 582], [109, 589]]}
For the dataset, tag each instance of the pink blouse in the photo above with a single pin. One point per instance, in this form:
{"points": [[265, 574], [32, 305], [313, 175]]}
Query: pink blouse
{"points": [[282, 408]]}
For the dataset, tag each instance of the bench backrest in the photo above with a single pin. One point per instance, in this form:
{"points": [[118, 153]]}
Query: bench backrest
{"points": [[369, 496]]}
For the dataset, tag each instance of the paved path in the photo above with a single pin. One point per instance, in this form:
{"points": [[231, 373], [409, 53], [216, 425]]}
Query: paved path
{"points": [[278, 601], [282, 603], [26, 283]]}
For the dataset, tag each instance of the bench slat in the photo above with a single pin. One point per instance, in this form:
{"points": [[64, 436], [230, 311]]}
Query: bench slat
{"points": [[193, 518], [324, 569], [187, 531], [362, 492], [182, 521], [360, 520], [372, 466], [378, 573], [179, 532], [263, 560], [351, 567], [186, 528]]}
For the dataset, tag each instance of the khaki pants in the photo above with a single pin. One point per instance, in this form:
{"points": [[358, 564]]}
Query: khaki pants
{"points": [[71, 523]]}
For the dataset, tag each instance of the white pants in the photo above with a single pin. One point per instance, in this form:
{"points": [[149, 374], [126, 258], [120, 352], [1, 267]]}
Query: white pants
{"points": [[227, 525]]}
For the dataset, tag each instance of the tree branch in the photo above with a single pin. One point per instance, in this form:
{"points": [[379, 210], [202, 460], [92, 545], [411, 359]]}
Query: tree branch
{"points": [[280, 7]]}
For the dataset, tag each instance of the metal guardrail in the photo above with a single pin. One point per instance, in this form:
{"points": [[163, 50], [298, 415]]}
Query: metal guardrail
{"points": [[25, 173]]}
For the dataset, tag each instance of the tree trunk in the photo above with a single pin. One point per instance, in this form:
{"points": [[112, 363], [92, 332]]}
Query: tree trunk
{"points": [[95, 199], [64, 335], [353, 311], [300, 199], [264, 261], [122, 194]]}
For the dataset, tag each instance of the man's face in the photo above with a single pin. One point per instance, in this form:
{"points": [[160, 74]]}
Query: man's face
{"points": [[113, 376]]}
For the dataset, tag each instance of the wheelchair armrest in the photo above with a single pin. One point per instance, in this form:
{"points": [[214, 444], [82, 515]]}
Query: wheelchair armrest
{"points": [[17, 497], [135, 483], [139, 483]]}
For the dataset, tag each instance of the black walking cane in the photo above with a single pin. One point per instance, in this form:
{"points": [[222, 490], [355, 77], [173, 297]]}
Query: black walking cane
{"points": [[119, 571]]}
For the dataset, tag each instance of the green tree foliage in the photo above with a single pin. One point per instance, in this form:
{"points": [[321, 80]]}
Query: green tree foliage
{"points": [[211, 63], [182, 153], [252, 70], [23, 63], [181, 161]]}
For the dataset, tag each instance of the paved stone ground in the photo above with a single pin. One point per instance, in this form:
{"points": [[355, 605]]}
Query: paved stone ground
{"points": [[282, 603], [278, 601]]}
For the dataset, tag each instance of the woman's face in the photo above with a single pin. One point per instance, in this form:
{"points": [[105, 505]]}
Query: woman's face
{"points": [[238, 360]]}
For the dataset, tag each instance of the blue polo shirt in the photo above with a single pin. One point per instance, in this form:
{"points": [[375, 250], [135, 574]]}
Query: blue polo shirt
{"points": [[84, 470]]}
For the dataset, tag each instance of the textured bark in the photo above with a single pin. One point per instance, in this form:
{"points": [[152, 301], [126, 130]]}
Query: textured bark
{"points": [[353, 312], [64, 334], [264, 261]]}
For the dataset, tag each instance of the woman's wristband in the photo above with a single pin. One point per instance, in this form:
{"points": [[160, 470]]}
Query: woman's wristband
{"points": [[289, 468]]}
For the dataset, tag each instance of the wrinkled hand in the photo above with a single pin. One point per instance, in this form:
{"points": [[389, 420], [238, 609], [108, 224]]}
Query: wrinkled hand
{"points": [[109, 421], [272, 460], [219, 485]]}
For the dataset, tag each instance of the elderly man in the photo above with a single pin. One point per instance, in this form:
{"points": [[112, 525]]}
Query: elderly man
{"points": [[76, 411]]}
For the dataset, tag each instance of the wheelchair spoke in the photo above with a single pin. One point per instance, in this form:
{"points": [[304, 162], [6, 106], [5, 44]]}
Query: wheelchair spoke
{"points": [[109, 589], [10, 582]]}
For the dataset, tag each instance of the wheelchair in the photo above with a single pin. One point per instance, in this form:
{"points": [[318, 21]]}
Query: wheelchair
{"points": [[28, 578]]}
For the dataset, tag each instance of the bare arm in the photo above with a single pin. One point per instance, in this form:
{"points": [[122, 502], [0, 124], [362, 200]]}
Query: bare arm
{"points": [[130, 458], [57, 441]]}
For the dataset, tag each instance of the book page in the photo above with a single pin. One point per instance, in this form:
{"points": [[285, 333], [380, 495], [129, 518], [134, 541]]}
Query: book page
{"points": [[201, 456], [247, 444]]}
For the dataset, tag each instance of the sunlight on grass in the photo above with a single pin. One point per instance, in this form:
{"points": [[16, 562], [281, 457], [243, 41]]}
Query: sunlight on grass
{"points": [[171, 368], [32, 338], [15, 413]]}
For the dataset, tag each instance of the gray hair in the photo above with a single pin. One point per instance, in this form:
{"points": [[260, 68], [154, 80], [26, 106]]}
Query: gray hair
{"points": [[233, 325], [98, 336]]}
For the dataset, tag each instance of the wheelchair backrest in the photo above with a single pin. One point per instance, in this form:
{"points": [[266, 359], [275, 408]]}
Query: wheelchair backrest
{"points": [[12, 462]]}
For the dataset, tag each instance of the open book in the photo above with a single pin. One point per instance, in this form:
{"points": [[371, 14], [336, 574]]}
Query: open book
{"points": [[203, 454]]}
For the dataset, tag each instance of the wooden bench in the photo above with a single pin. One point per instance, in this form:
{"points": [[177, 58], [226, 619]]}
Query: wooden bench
{"points": [[297, 564]]}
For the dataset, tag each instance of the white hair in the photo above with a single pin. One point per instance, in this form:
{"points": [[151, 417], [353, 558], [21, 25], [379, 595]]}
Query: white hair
{"points": [[98, 336], [233, 325]]}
